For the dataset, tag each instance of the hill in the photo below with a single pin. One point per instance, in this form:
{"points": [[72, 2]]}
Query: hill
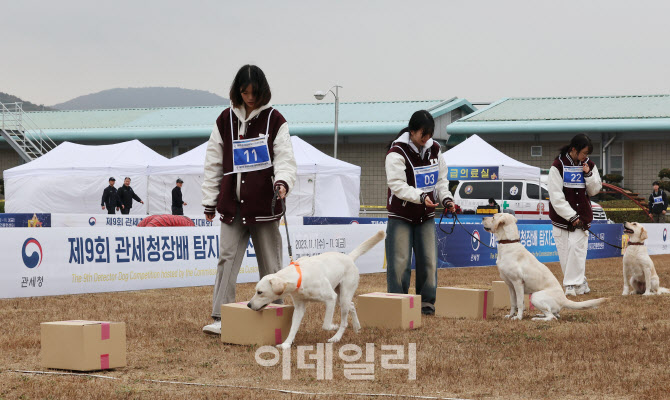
{"points": [[148, 97], [27, 106]]}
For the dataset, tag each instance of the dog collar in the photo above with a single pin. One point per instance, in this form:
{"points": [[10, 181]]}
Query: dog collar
{"points": [[509, 241], [297, 268], [635, 243]]}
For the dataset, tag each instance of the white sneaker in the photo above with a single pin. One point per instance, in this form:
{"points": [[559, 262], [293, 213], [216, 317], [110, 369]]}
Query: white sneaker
{"points": [[213, 329], [583, 288], [570, 291]]}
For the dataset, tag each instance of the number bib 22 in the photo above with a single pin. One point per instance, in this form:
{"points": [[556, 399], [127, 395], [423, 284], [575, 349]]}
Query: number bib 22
{"points": [[251, 155], [426, 177], [573, 177]]}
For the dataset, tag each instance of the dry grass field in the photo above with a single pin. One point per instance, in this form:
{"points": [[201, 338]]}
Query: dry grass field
{"points": [[619, 351]]}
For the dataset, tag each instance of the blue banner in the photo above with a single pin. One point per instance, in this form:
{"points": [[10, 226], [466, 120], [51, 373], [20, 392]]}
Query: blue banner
{"points": [[473, 173], [460, 250], [21, 220]]}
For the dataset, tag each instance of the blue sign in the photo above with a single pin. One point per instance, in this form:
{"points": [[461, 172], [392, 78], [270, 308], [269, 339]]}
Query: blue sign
{"points": [[25, 220], [473, 173], [460, 250]]}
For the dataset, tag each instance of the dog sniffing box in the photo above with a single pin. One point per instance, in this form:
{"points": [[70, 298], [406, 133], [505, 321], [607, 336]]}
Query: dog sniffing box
{"points": [[83, 345], [242, 325], [463, 303], [389, 310], [501, 297]]}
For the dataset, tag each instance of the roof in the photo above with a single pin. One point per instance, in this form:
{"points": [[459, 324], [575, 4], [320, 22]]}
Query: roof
{"points": [[569, 114], [196, 122]]}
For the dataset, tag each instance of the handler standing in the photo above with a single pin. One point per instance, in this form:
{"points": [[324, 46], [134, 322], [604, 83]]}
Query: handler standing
{"points": [[658, 203], [178, 202], [249, 157], [127, 194], [573, 177], [110, 197], [416, 177]]}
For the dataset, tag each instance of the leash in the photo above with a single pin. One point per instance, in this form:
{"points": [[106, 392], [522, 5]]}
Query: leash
{"points": [[609, 244], [283, 214], [454, 216]]}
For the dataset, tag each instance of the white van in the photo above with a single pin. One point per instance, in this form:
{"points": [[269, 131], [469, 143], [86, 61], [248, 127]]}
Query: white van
{"points": [[517, 195]]}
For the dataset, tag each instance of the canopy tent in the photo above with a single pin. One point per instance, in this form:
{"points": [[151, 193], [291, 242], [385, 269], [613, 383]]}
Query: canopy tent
{"points": [[475, 152], [324, 186], [71, 177]]}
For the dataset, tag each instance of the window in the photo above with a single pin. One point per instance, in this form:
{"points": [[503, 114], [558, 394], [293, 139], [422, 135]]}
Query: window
{"points": [[480, 190], [531, 191], [536, 151], [512, 191]]}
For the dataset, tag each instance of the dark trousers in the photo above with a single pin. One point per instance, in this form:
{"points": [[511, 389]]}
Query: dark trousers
{"points": [[125, 211], [110, 210], [177, 210]]}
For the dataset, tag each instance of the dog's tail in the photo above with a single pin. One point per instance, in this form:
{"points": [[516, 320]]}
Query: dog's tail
{"points": [[367, 245], [662, 290], [583, 305]]}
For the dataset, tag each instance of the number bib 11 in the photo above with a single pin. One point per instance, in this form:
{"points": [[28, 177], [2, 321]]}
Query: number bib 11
{"points": [[251, 155], [426, 177], [573, 177]]}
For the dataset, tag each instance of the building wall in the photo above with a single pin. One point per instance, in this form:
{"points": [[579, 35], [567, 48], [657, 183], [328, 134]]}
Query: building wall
{"points": [[8, 158], [642, 162]]}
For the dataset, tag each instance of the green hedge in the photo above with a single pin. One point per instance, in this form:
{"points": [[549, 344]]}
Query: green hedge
{"points": [[623, 216]]}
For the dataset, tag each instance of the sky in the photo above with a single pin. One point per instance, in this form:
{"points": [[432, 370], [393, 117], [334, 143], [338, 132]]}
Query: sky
{"points": [[389, 50]]}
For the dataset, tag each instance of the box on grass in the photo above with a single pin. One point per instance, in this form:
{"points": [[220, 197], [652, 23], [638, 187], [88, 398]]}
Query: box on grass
{"points": [[242, 325], [83, 345], [453, 302], [501, 297], [389, 310]]}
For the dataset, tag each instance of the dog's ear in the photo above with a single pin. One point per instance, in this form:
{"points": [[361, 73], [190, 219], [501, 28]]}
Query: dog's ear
{"points": [[643, 234], [278, 285], [511, 230], [498, 221]]}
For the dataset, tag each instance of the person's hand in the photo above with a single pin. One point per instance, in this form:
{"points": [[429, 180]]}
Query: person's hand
{"points": [[429, 203], [282, 191], [586, 168], [122, 207], [141, 202], [185, 203], [209, 217], [103, 207], [663, 211], [578, 223], [450, 205]]}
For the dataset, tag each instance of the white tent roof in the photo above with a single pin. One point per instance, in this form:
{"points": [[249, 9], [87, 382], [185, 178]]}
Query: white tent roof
{"points": [[309, 159], [475, 152], [129, 158]]}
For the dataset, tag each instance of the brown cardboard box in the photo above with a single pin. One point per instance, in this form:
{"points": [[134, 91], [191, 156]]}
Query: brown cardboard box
{"points": [[501, 297], [389, 310], [242, 325], [463, 303], [83, 345]]}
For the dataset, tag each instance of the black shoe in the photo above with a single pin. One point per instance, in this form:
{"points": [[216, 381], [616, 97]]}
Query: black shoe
{"points": [[427, 311]]}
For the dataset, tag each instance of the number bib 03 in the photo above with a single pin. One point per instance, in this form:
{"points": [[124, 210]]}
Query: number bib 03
{"points": [[251, 155], [573, 177], [426, 177]]}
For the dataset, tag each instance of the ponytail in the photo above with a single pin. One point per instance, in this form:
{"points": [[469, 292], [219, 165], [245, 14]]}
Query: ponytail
{"points": [[579, 142], [420, 120]]}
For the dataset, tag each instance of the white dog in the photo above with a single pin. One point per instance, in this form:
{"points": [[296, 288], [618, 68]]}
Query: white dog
{"points": [[523, 274], [318, 278], [638, 268]]}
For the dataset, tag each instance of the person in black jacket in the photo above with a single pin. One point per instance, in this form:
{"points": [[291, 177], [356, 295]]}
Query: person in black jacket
{"points": [[110, 197], [177, 200], [126, 194], [658, 203]]}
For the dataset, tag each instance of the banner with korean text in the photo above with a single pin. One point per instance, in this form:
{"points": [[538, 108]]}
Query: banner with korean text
{"points": [[56, 261]]}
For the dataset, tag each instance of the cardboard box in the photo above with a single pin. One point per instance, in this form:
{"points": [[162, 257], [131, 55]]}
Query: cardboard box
{"points": [[83, 345], [501, 297], [389, 310], [463, 303], [242, 325]]}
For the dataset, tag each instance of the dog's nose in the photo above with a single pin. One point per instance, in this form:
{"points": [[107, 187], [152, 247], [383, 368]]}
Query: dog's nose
{"points": [[249, 304]]}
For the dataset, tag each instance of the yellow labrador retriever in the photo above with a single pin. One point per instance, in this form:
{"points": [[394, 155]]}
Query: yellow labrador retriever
{"points": [[639, 274], [524, 274], [321, 278]]}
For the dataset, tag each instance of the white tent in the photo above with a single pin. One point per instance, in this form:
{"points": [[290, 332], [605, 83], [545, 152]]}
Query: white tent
{"points": [[71, 178], [324, 187], [475, 152]]}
